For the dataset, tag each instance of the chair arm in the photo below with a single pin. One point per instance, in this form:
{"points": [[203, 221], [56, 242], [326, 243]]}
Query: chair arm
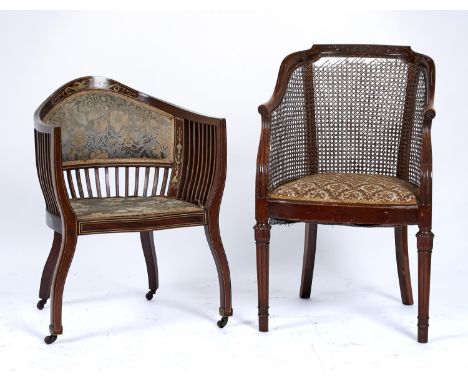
{"points": [[266, 110], [425, 184], [203, 162], [261, 180], [49, 169]]}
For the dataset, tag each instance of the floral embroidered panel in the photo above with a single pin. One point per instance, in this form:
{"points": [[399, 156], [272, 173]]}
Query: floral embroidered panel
{"points": [[98, 125]]}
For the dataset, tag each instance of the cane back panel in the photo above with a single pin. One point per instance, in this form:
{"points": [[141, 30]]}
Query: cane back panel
{"points": [[349, 115]]}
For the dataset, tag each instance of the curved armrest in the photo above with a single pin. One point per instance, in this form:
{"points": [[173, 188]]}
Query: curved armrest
{"points": [[261, 180], [425, 184]]}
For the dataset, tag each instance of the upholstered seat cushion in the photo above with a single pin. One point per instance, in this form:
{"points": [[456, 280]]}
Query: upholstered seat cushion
{"points": [[348, 189], [118, 207]]}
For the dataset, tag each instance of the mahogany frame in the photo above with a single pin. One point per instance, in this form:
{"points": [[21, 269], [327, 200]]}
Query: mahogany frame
{"points": [[201, 172], [312, 214]]}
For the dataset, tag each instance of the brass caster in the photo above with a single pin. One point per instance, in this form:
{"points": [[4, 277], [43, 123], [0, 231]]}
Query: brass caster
{"points": [[41, 303], [149, 295], [50, 339], [222, 323]]}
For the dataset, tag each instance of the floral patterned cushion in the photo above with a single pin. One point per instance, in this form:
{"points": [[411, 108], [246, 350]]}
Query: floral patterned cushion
{"points": [[348, 189], [117, 207], [102, 125]]}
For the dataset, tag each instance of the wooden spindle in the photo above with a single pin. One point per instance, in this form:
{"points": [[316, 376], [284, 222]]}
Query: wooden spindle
{"points": [[211, 159], [164, 182], [88, 183], [41, 147], [155, 181], [145, 186], [106, 172], [206, 162], [78, 181], [195, 167], [126, 181], [215, 152], [137, 180], [46, 177], [43, 162], [98, 182], [71, 186], [117, 185], [188, 171], [200, 168]]}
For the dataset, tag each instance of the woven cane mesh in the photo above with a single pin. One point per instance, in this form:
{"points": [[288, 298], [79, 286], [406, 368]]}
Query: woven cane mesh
{"points": [[349, 115], [289, 145], [415, 143]]}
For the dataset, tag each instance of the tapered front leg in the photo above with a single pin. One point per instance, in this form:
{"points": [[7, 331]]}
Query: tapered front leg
{"points": [[67, 250], [424, 240], [48, 271], [217, 249], [310, 243], [149, 251], [404, 277], [262, 240]]}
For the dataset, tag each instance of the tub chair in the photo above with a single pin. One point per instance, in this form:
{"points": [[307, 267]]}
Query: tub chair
{"points": [[112, 159], [346, 139]]}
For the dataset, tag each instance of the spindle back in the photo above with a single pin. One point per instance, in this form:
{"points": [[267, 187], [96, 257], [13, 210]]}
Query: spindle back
{"points": [[118, 142], [112, 143]]}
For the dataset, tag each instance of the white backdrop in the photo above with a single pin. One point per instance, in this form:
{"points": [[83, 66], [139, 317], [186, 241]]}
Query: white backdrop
{"points": [[225, 65]]}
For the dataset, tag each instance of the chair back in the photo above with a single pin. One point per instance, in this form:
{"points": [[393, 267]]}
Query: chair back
{"points": [[349, 109]]}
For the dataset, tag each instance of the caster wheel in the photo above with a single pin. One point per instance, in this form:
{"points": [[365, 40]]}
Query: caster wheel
{"points": [[50, 339], [149, 295], [222, 323], [41, 303]]}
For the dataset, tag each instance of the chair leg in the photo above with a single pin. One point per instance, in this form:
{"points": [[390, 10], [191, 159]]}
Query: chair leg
{"points": [[216, 245], [404, 276], [310, 243], [262, 240], [48, 271], [147, 243], [67, 250], [424, 240]]}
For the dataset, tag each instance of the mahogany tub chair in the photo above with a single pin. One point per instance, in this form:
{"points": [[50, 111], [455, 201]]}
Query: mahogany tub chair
{"points": [[346, 139], [112, 159]]}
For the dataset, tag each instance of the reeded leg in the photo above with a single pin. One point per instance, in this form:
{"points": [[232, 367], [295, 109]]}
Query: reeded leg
{"points": [[404, 276], [310, 243], [48, 272], [147, 243], [262, 240], [216, 245], [424, 240], [67, 251]]}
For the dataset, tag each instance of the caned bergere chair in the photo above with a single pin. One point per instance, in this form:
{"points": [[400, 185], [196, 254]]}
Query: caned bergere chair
{"points": [[346, 139], [112, 159]]}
